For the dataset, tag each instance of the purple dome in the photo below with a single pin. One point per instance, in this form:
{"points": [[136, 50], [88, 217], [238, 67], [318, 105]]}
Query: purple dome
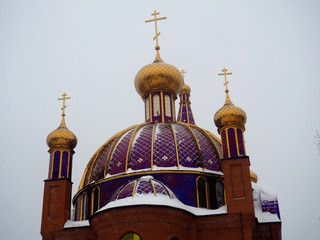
{"points": [[144, 186], [155, 147]]}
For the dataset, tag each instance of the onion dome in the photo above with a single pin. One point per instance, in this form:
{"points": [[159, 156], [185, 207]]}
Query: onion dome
{"points": [[185, 90], [253, 176], [155, 147], [62, 137], [146, 185], [158, 76], [229, 115]]}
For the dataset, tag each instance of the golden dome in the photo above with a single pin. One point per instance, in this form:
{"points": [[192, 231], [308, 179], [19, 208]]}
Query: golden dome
{"points": [[229, 114], [185, 90], [158, 76], [62, 137], [253, 177]]}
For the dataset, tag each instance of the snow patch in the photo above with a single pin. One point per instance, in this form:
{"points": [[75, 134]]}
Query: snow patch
{"points": [[73, 224], [161, 200], [265, 204]]}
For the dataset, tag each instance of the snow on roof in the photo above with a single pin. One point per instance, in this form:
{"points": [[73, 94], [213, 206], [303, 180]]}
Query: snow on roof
{"points": [[160, 200], [73, 224], [265, 204]]}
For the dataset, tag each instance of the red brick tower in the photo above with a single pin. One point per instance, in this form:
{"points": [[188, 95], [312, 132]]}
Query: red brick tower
{"points": [[230, 121], [58, 185]]}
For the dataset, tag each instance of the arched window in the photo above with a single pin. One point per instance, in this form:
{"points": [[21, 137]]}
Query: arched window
{"points": [[147, 109], [156, 106], [131, 236], [202, 192], [167, 105], [212, 193], [95, 199], [84, 203], [220, 193]]}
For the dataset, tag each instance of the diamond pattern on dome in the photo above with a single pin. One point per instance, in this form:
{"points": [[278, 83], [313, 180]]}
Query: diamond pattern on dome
{"points": [[98, 171], [210, 159], [127, 191], [164, 152], [144, 187], [160, 189], [141, 149], [187, 148], [119, 155], [87, 179], [218, 145]]}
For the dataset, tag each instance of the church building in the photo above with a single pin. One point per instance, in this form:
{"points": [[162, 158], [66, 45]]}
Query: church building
{"points": [[163, 179]]}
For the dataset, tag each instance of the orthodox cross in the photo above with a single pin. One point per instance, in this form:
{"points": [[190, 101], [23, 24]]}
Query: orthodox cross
{"points": [[183, 72], [224, 70], [64, 102], [155, 13]]}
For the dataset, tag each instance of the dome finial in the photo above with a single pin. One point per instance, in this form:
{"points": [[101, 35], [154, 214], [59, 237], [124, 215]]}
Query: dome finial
{"points": [[155, 13], [63, 123], [224, 70]]}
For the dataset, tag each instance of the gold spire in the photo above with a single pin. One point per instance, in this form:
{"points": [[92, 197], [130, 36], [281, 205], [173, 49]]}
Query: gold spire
{"points": [[155, 13], [224, 70]]}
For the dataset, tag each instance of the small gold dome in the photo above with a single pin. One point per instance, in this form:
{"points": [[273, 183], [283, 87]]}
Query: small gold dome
{"points": [[253, 176], [185, 90], [229, 114], [62, 137], [158, 76]]}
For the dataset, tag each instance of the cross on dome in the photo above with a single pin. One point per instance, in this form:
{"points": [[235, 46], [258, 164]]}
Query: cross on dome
{"points": [[183, 72], [63, 103], [155, 13], [224, 70]]}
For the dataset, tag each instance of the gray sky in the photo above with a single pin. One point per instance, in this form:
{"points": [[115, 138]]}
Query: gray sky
{"points": [[92, 50]]}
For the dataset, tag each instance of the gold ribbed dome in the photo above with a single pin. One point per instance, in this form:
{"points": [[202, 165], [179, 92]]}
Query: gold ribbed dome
{"points": [[62, 137], [253, 176], [158, 76], [185, 90], [229, 114]]}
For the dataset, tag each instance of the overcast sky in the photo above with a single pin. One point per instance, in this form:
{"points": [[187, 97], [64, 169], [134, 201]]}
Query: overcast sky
{"points": [[92, 50]]}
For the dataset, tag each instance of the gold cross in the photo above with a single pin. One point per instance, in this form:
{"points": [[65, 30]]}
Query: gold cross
{"points": [[183, 72], [155, 13], [224, 70], [63, 103]]}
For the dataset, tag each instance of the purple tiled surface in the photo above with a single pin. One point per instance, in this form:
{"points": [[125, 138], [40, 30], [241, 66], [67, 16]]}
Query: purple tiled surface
{"points": [[127, 191], [100, 163], [141, 149], [141, 187], [164, 152], [165, 144], [210, 158], [144, 187], [187, 148], [118, 163]]}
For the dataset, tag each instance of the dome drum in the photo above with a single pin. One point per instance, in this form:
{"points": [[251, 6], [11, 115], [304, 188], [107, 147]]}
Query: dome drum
{"points": [[182, 184]]}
